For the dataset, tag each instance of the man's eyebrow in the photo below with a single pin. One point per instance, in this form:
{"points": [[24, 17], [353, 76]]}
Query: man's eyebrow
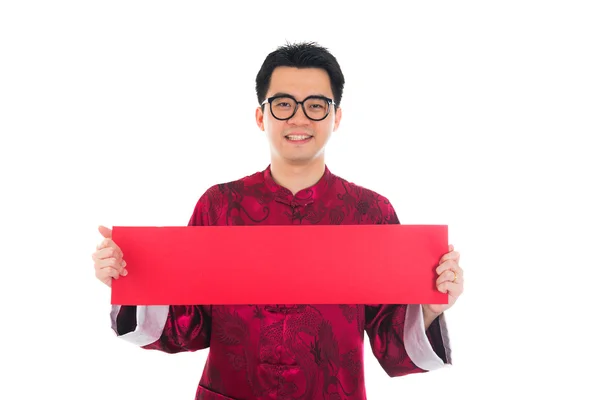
{"points": [[289, 95]]}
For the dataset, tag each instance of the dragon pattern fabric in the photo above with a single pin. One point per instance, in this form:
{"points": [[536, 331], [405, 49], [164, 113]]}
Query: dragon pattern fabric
{"points": [[289, 351]]}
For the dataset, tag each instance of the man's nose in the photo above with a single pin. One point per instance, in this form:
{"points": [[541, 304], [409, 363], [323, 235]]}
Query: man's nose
{"points": [[299, 117]]}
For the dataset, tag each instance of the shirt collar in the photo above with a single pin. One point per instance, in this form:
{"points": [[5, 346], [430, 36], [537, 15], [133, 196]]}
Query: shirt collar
{"points": [[304, 196]]}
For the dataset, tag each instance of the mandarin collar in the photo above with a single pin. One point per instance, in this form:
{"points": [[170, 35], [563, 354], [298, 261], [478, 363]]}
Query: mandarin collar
{"points": [[304, 196]]}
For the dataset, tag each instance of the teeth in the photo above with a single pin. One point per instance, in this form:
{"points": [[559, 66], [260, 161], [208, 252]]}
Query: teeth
{"points": [[297, 137]]}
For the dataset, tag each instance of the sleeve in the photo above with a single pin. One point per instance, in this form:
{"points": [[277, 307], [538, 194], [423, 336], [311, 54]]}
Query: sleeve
{"points": [[399, 340], [397, 332], [171, 329]]}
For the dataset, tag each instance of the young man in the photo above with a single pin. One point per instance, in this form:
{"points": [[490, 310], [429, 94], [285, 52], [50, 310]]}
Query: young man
{"points": [[280, 351]]}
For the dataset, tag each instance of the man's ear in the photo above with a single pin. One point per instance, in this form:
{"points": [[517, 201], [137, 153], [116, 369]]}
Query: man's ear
{"points": [[338, 118], [260, 115]]}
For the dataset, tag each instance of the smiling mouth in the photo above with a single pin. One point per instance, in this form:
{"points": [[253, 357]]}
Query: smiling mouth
{"points": [[298, 138]]}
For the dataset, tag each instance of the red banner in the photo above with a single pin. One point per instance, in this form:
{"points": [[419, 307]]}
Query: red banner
{"points": [[320, 264]]}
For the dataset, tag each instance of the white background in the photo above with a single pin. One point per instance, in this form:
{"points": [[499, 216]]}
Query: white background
{"points": [[479, 115]]}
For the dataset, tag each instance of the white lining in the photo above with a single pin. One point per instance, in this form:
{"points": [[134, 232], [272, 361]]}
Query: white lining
{"points": [[417, 344], [151, 321]]}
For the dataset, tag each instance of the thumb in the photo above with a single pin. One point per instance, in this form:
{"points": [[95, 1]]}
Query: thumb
{"points": [[104, 231]]}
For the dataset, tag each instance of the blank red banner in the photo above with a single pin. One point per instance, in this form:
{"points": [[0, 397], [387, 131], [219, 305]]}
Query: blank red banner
{"points": [[320, 264]]}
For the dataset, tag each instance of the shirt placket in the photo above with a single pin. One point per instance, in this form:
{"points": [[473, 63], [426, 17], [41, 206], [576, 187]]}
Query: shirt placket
{"points": [[296, 213]]}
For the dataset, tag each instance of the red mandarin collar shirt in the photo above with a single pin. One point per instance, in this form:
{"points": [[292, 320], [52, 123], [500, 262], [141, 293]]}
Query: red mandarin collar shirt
{"points": [[289, 351]]}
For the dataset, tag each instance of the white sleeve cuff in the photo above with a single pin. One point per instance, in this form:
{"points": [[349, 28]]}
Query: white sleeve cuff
{"points": [[417, 344], [151, 321]]}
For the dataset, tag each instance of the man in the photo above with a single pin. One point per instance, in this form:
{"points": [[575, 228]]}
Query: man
{"points": [[281, 351]]}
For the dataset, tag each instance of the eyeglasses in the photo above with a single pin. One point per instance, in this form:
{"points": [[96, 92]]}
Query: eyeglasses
{"points": [[316, 108]]}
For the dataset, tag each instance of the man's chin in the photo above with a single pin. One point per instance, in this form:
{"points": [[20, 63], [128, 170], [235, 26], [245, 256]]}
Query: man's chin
{"points": [[297, 160]]}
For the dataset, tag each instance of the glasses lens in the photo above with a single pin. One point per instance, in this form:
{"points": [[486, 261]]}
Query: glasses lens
{"points": [[283, 107], [316, 108]]}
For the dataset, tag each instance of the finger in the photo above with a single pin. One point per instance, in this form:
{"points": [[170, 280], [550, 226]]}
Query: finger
{"points": [[448, 264], [105, 273], [104, 259], [112, 262], [448, 276], [450, 248], [103, 244], [453, 255], [453, 289], [108, 243], [104, 231], [111, 271], [107, 252], [110, 253]]}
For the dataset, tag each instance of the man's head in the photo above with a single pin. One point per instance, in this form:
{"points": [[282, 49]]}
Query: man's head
{"points": [[291, 74]]}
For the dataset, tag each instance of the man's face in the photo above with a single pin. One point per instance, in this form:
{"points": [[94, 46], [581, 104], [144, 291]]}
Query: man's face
{"points": [[284, 136]]}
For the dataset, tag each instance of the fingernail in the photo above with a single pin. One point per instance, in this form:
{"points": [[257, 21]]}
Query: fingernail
{"points": [[125, 272]]}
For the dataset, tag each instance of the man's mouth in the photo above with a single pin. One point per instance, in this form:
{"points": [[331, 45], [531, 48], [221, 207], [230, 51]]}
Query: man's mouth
{"points": [[298, 138]]}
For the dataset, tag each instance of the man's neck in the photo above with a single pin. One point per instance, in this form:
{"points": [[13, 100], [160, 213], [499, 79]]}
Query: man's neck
{"points": [[297, 177]]}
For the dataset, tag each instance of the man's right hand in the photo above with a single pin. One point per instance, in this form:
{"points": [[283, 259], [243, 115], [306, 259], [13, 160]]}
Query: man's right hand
{"points": [[108, 258]]}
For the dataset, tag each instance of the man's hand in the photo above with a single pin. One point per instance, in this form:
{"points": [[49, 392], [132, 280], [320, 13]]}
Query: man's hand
{"points": [[450, 280], [108, 258]]}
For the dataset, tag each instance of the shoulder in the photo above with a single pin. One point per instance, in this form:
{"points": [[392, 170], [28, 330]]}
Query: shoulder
{"points": [[214, 198], [218, 190], [365, 198], [355, 190]]}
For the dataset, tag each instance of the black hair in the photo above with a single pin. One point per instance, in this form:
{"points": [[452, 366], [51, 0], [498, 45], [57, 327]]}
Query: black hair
{"points": [[300, 55]]}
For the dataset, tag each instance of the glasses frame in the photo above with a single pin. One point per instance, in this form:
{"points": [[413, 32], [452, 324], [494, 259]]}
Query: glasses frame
{"points": [[329, 101]]}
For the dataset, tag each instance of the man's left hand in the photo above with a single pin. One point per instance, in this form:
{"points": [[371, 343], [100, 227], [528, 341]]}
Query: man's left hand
{"points": [[450, 280]]}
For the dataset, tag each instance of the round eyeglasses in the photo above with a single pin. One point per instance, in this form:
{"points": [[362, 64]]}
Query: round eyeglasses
{"points": [[283, 107]]}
